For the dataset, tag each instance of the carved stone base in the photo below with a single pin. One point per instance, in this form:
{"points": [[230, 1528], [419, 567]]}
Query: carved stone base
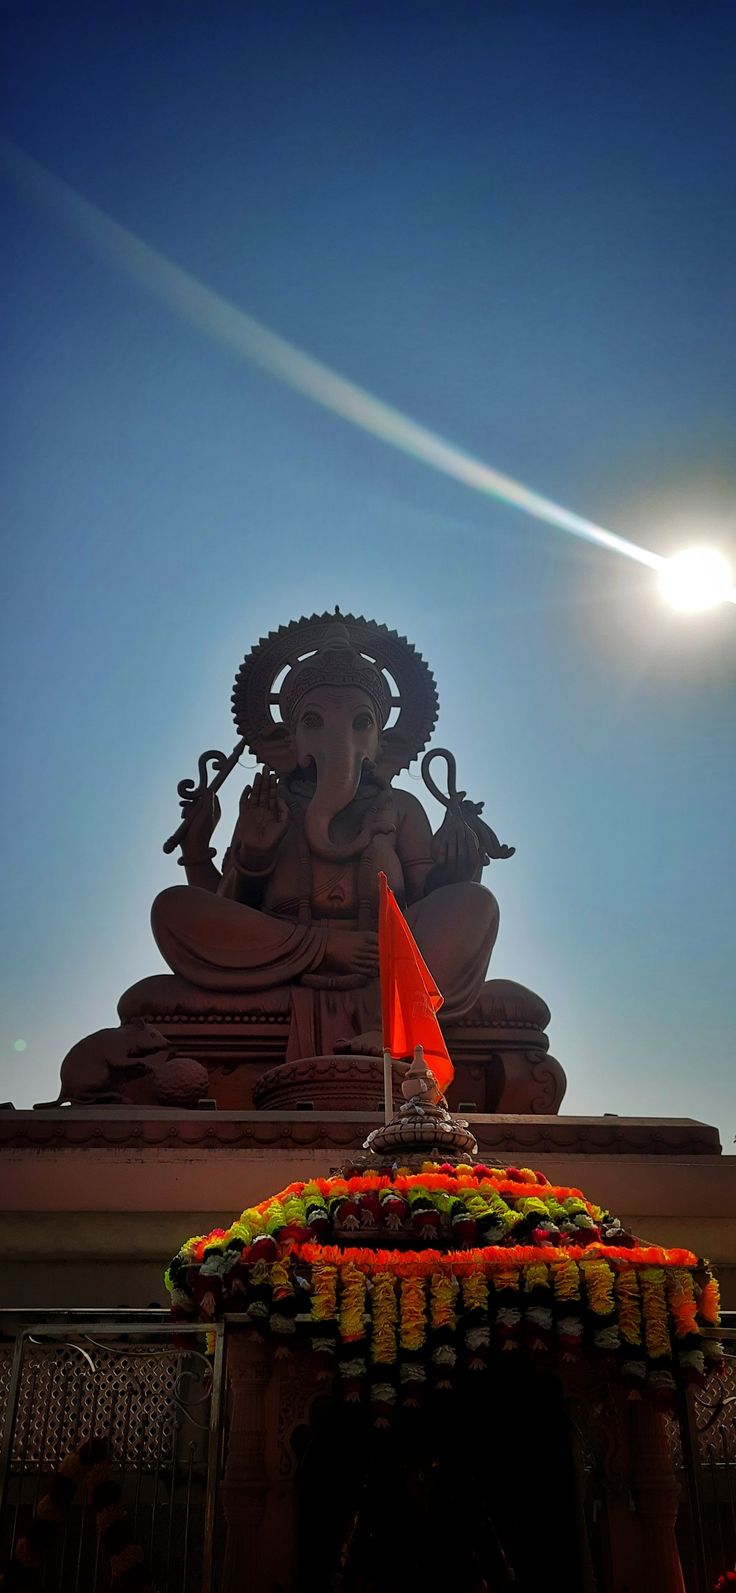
{"points": [[499, 1050]]}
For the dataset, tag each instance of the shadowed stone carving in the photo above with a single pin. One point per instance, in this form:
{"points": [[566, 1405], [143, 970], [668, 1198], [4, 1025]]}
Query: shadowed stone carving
{"points": [[134, 1065], [274, 954]]}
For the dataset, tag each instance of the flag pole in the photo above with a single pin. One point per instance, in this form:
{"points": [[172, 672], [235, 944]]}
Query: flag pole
{"points": [[388, 1087]]}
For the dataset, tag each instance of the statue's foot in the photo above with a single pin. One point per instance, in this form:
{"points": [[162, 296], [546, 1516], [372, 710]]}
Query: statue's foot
{"points": [[368, 1044]]}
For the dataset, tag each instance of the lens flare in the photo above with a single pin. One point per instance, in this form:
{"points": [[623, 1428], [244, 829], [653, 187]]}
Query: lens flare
{"points": [[696, 579], [188, 298]]}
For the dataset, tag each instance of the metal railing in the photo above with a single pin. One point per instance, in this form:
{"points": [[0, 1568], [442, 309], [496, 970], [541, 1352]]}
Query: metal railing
{"points": [[152, 1392], [703, 1449]]}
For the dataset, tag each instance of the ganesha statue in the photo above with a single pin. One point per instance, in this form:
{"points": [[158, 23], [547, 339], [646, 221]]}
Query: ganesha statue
{"points": [[285, 928]]}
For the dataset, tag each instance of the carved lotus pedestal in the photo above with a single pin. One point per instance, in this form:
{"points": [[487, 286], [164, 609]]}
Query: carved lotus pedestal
{"points": [[324, 1084], [500, 1051]]}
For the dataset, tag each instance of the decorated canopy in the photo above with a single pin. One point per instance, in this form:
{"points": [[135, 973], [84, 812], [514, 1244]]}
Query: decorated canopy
{"points": [[402, 1279]]}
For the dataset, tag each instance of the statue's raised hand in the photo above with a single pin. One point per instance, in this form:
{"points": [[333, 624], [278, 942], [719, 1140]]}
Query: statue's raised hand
{"points": [[205, 817], [262, 825]]}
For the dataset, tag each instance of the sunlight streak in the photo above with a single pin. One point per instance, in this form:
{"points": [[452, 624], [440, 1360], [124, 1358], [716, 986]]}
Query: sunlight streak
{"points": [[223, 321]]}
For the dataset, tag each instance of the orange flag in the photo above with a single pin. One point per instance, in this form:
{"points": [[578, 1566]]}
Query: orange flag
{"points": [[410, 999]]}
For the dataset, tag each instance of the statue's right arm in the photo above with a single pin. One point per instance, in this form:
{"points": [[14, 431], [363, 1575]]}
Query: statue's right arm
{"points": [[196, 853], [263, 821], [238, 886], [202, 873]]}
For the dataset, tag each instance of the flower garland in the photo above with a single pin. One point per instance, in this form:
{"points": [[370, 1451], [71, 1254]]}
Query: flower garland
{"points": [[399, 1280]]}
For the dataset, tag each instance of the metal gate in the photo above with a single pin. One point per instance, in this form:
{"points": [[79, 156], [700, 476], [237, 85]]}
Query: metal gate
{"points": [[703, 1449], [151, 1392]]}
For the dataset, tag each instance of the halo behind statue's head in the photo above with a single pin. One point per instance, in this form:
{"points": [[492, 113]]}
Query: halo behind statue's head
{"points": [[334, 650]]}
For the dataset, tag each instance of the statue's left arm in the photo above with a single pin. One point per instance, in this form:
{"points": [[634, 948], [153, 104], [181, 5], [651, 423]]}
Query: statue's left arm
{"points": [[428, 861]]}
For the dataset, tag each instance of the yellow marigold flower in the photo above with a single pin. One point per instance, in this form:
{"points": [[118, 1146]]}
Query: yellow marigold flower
{"points": [[253, 1220], [566, 1279], [385, 1313], [506, 1278], [280, 1280], [626, 1286], [443, 1295], [656, 1327], [352, 1302], [324, 1292], [598, 1286], [475, 1292], [535, 1276], [413, 1326]]}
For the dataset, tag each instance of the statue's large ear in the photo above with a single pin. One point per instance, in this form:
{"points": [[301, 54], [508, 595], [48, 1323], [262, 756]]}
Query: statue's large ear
{"points": [[395, 752], [277, 750]]}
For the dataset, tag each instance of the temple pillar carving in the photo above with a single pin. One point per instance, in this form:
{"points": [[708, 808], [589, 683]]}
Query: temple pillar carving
{"points": [[245, 1482], [657, 1497]]}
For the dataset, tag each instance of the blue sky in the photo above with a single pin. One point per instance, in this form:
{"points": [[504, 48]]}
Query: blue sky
{"points": [[516, 224]]}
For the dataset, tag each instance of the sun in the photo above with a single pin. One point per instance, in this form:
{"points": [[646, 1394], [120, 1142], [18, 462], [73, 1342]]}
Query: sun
{"points": [[696, 579]]}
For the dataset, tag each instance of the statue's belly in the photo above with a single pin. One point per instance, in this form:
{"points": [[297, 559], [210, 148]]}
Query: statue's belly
{"points": [[335, 889]]}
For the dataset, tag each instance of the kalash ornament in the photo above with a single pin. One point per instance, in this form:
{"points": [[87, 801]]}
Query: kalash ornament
{"points": [[423, 1128]]}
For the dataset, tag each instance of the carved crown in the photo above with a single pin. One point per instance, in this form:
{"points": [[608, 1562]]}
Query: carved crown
{"points": [[335, 663], [341, 650]]}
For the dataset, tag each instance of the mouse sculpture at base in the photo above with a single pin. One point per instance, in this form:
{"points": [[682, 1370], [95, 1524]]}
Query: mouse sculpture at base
{"points": [[133, 1064]]}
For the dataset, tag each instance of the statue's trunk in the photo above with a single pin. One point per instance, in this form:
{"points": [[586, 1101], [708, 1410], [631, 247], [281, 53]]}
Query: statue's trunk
{"points": [[338, 779]]}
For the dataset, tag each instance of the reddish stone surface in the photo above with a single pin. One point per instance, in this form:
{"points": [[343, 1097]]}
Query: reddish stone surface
{"points": [[512, 1135]]}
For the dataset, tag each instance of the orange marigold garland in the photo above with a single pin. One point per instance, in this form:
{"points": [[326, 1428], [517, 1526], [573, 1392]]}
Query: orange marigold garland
{"points": [[683, 1308], [398, 1272]]}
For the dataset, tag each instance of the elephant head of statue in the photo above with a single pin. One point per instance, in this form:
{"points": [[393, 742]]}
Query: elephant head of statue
{"points": [[335, 697]]}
